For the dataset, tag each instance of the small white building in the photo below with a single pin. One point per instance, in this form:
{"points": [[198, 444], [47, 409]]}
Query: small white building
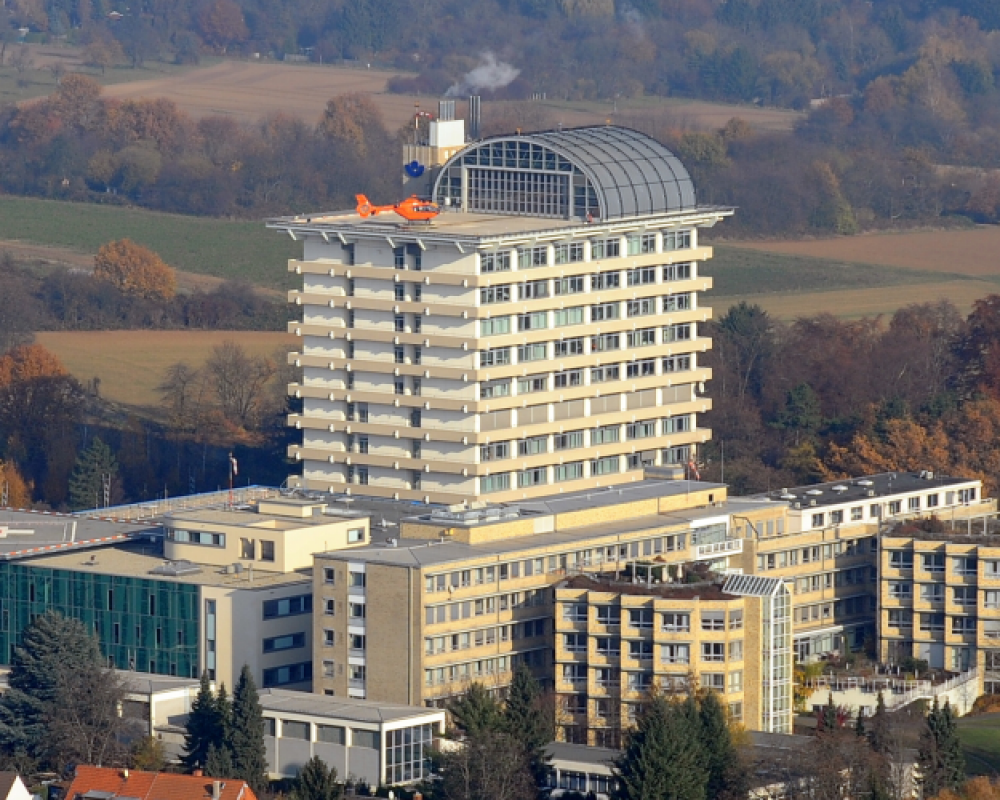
{"points": [[12, 787]]}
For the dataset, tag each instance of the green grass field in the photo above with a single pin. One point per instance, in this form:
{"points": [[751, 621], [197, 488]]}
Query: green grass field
{"points": [[739, 271], [980, 737], [230, 250]]}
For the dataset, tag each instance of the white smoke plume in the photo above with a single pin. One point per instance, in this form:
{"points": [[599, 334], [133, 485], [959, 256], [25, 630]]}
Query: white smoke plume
{"points": [[490, 75]]}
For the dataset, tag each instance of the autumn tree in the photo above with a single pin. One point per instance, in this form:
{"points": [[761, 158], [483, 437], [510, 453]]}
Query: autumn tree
{"points": [[353, 119], [77, 102], [15, 491], [135, 270], [221, 24]]}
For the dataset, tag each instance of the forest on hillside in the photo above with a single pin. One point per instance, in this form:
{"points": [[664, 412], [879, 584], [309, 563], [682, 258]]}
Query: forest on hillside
{"points": [[901, 101]]}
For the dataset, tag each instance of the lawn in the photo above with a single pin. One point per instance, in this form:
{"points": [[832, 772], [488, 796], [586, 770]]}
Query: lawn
{"points": [[980, 737], [202, 245], [131, 364], [790, 285]]}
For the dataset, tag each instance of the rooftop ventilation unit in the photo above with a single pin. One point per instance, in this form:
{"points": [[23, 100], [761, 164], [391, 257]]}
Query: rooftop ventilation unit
{"points": [[175, 569], [787, 496], [814, 492], [865, 482], [839, 488]]}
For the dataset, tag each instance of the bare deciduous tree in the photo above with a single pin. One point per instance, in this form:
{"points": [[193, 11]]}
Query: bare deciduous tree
{"points": [[238, 379]]}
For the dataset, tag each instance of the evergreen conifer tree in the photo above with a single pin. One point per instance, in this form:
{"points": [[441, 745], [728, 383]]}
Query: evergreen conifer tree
{"points": [[828, 716], [247, 737], [525, 719], [879, 734], [859, 724], [57, 670], [218, 761], [205, 726], [662, 758], [93, 466], [952, 757], [476, 711], [727, 776], [316, 781], [939, 756]]}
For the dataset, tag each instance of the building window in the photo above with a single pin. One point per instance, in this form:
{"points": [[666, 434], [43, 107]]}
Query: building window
{"points": [[494, 294], [494, 483], [329, 607], [497, 261], [532, 352], [675, 653], [266, 550], [574, 285], [290, 673], [676, 240], [495, 357], [568, 379], [329, 575], [568, 253], [575, 642], [642, 276], [567, 316], [533, 257], [604, 374], [290, 641], [288, 606], [713, 651], [609, 465], [643, 337], [932, 562], [713, 620], [644, 368], [674, 622], [716, 681], [331, 734], [605, 248], [407, 752], [531, 477], [605, 280], [360, 738], [532, 290], [678, 302], [569, 347]]}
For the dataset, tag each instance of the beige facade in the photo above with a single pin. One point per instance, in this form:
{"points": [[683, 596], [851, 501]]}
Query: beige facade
{"points": [[498, 356], [940, 602], [278, 535], [615, 642], [463, 597]]}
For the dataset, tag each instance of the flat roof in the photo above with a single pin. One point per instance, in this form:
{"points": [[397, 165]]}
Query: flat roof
{"points": [[474, 228], [344, 709], [25, 534], [139, 559], [581, 754], [584, 499], [884, 484], [245, 518], [428, 553], [670, 591]]}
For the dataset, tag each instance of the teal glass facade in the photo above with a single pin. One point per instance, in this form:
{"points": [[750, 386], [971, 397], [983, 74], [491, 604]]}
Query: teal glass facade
{"points": [[142, 624]]}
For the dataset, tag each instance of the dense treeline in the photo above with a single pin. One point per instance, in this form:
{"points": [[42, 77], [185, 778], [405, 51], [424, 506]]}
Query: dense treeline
{"points": [[902, 127], [77, 145], [823, 398], [57, 438], [776, 51], [76, 300]]}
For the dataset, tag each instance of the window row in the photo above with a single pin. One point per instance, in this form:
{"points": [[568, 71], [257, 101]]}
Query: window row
{"points": [[570, 378], [529, 629], [597, 282], [607, 465], [576, 315], [483, 667], [572, 252], [468, 609], [815, 554], [646, 618], [514, 570], [892, 508], [602, 343], [936, 593], [932, 621], [966, 566]]}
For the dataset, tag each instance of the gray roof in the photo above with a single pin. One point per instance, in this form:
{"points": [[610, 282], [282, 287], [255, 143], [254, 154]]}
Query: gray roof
{"points": [[884, 485], [342, 709], [424, 553], [563, 753], [752, 585], [32, 533], [633, 173]]}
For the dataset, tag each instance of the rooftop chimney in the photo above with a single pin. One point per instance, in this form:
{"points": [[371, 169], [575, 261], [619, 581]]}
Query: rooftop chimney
{"points": [[216, 790], [475, 116], [197, 773]]}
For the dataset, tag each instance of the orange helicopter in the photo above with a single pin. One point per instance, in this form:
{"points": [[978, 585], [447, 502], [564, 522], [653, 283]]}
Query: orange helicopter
{"points": [[412, 208]]}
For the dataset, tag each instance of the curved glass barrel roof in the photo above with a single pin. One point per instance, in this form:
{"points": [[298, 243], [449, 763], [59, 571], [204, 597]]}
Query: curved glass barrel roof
{"points": [[605, 172]]}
